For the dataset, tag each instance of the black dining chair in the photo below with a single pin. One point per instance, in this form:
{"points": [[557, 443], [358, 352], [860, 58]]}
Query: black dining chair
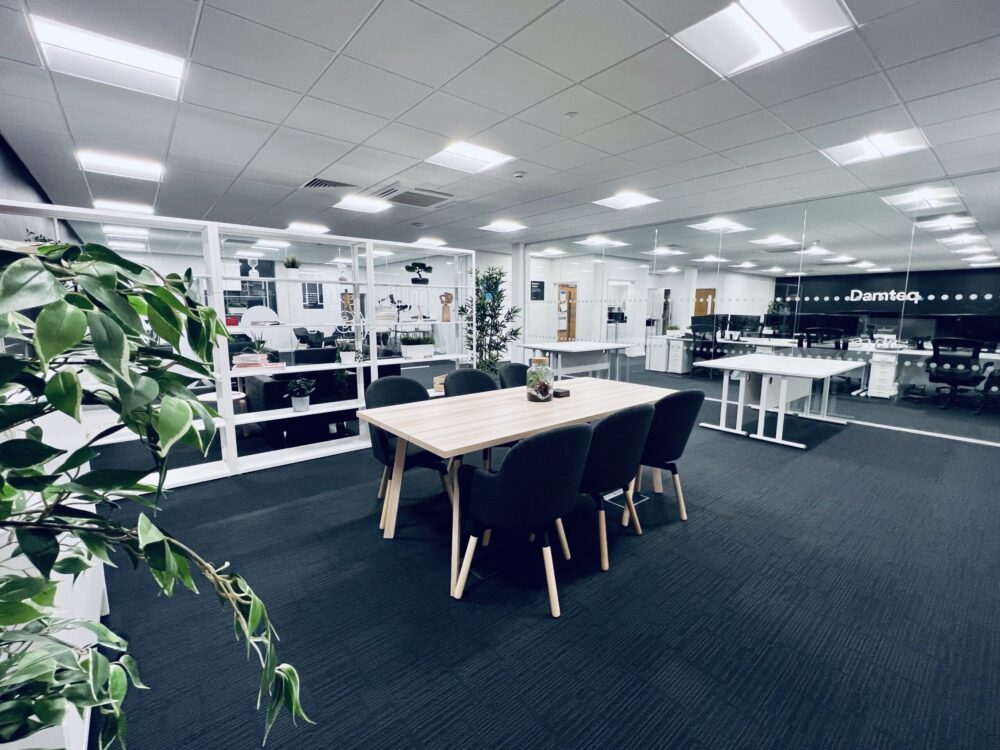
{"points": [[955, 364], [391, 391], [672, 425], [513, 375], [612, 463], [527, 494], [465, 382]]}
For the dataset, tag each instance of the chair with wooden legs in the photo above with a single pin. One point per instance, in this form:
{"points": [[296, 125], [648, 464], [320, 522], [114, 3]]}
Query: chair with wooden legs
{"points": [[536, 486], [612, 462], [673, 423], [390, 391]]}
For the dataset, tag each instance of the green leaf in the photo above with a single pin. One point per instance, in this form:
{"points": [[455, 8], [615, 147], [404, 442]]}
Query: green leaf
{"points": [[77, 459], [104, 291], [106, 255], [26, 284], [117, 685], [41, 546], [96, 546], [184, 572], [72, 565], [256, 613], [130, 665], [148, 533], [109, 342], [32, 482], [65, 393], [14, 414], [163, 320], [105, 636], [137, 394], [172, 421], [20, 588], [22, 453], [10, 367], [59, 326], [111, 479], [15, 613]]}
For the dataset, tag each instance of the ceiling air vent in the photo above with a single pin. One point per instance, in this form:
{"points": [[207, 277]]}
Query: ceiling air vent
{"points": [[320, 183], [419, 197]]}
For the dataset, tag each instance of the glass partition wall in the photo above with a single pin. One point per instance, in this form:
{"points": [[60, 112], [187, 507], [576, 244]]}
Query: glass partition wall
{"points": [[337, 311]]}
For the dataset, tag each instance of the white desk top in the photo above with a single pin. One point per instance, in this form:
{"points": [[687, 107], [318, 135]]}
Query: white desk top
{"points": [[772, 364], [758, 341], [576, 347], [922, 353]]}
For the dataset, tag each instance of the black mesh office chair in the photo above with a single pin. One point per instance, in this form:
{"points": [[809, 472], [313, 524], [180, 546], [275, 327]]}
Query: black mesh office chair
{"points": [[704, 344], [513, 375], [612, 462], [527, 493], [955, 364], [668, 436], [312, 339], [820, 335], [991, 386], [390, 391]]}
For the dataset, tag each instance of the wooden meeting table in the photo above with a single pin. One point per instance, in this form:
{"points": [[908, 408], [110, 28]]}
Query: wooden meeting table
{"points": [[452, 427]]}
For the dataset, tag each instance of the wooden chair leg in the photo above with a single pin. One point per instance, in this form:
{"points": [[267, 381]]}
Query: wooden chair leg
{"points": [[486, 537], [385, 512], [384, 484], [387, 479], [463, 574], [550, 578], [630, 506], [657, 482], [636, 487], [680, 497], [561, 533], [602, 537]]}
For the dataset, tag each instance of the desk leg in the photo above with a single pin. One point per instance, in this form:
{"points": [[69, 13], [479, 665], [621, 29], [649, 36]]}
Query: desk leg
{"points": [[765, 381], [558, 365], [456, 522], [825, 403], [741, 401], [395, 483], [724, 406], [779, 433]]}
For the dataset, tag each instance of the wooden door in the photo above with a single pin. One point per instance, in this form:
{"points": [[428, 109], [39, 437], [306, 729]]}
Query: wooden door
{"points": [[704, 301], [566, 312]]}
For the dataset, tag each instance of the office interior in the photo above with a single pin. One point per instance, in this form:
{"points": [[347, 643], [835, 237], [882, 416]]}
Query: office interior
{"points": [[800, 225]]}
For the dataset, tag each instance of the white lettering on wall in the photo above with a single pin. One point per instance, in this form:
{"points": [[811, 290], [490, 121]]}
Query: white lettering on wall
{"points": [[892, 295]]}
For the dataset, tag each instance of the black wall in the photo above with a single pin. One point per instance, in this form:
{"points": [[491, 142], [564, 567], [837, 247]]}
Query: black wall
{"points": [[17, 184]]}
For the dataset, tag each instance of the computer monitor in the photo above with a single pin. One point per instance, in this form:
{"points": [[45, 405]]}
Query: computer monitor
{"points": [[983, 327], [917, 329], [709, 320], [745, 323]]}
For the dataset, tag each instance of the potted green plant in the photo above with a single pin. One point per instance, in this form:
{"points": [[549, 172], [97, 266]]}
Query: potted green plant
{"points": [[493, 330], [84, 313], [298, 389], [673, 331], [292, 265], [347, 351], [419, 269], [417, 344]]}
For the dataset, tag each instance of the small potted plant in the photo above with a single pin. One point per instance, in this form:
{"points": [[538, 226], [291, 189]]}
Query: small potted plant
{"points": [[419, 269], [299, 390], [348, 352], [674, 332], [292, 265], [417, 344]]}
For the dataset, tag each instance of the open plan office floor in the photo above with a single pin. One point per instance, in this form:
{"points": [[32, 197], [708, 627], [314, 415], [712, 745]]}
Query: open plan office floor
{"points": [[840, 597]]}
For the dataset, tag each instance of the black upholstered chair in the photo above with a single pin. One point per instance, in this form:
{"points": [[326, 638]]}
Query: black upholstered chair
{"points": [[612, 463], [955, 364], [820, 335], [390, 391], [468, 381], [992, 385], [513, 375], [527, 493], [705, 344], [312, 339], [668, 436]]}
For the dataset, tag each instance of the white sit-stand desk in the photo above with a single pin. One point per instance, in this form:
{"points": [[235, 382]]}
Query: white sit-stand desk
{"points": [[574, 357], [795, 377]]}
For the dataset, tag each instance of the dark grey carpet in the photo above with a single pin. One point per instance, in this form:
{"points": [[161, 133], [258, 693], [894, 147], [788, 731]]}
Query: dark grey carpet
{"points": [[843, 597]]}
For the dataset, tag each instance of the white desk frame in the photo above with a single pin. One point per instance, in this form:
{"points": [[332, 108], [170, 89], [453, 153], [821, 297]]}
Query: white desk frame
{"points": [[555, 351]]}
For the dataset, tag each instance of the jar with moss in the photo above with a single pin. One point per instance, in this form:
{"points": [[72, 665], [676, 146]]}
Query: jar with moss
{"points": [[540, 380]]}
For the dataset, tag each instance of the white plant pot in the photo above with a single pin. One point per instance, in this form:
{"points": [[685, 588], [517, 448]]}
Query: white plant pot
{"points": [[417, 351], [292, 273], [348, 358], [300, 403]]}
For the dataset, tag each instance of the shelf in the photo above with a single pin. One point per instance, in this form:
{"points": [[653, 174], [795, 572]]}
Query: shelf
{"points": [[241, 372], [419, 360], [301, 280], [253, 417], [421, 286]]}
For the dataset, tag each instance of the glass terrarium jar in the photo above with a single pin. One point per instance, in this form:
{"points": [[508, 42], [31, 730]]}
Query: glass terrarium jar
{"points": [[540, 380]]}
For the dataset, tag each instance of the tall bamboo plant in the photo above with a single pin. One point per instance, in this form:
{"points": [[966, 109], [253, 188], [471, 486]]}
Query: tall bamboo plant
{"points": [[84, 326], [493, 330]]}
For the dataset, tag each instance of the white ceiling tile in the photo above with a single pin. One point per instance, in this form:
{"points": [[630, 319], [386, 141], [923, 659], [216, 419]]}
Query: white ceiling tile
{"points": [[113, 101], [189, 194], [579, 38], [15, 38], [948, 70], [676, 15], [850, 129], [702, 166], [102, 131], [971, 100], [448, 115], [206, 133], [669, 151], [566, 155], [507, 82], [248, 49], [334, 121], [366, 166], [245, 200], [592, 110], [521, 173], [964, 128], [808, 162], [407, 39], [488, 17], [475, 186], [852, 98], [627, 134], [121, 188], [427, 175], [705, 106], [771, 149], [27, 81], [213, 168], [355, 84], [516, 137], [407, 141], [605, 169], [755, 126], [217, 89], [654, 75], [318, 21], [829, 63], [298, 152], [968, 149]]}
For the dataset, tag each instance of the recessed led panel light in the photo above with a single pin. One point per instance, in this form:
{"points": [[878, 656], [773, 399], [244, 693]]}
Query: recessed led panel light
{"points": [[774, 269], [718, 224], [304, 227], [862, 264], [839, 259], [745, 264], [627, 199], [84, 54], [796, 23], [879, 269], [549, 252], [671, 269], [664, 250], [877, 146], [377, 254], [119, 166], [466, 157], [363, 203], [103, 204], [599, 240], [946, 223], [596, 260], [247, 254], [799, 273], [272, 244], [774, 240], [503, 225], [923, 198], [985, 265], [965, 238], [983, 258], [126, 233], [128, 246], [814, 249], [709, 259], [432, 241], [971, 250]]}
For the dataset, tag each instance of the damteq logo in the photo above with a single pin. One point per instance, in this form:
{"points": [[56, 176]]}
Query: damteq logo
{"points": [[892, 295]]}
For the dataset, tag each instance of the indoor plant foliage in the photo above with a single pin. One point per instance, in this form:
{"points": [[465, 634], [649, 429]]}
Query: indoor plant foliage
{"points": [[415, 344], [77, 320], [419, 269], [493, 329], [292, 262], [299, 390]]}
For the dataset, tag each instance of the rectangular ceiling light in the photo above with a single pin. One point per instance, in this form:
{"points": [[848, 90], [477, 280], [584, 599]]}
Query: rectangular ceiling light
{"points": [[982, 258], [377, 254], [995, 264], [663, 250], [745, 264], [971, 250], [718, 224], [431, 241], [126, 233], [774, 240], [710, 259], [549, 252], [119, 166], [103, 204], [128, 246], [879, 269], [877, 146], [840, 259], [672, 269], [466, 157], [599, 240], [751, 32], [84, 54], [774, 269], [946, 223], [923, 198], [862, 264], [247, 254], [363, 203], [627, 199], [503, 225], [814, 249], [271, 244], [965, 238], [304, 227]]}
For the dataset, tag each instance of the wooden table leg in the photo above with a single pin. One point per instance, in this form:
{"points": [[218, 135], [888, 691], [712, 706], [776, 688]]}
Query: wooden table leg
{"points": [[395, 483], [456, 523]]}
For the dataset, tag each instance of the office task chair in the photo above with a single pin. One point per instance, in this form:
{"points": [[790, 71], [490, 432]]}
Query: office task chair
{"points": [[991, 384], [820, 335], [464, 382], [612, 463], [672, 425], [390, 391], [513, 375], [527, 494], [704, 344], [955, 364], [312, 339]]}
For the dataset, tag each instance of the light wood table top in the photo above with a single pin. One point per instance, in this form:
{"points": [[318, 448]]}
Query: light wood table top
{"points": [[454, 426]]}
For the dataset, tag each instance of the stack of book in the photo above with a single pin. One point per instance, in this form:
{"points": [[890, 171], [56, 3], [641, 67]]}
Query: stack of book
{"points": [[254, 359]]}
